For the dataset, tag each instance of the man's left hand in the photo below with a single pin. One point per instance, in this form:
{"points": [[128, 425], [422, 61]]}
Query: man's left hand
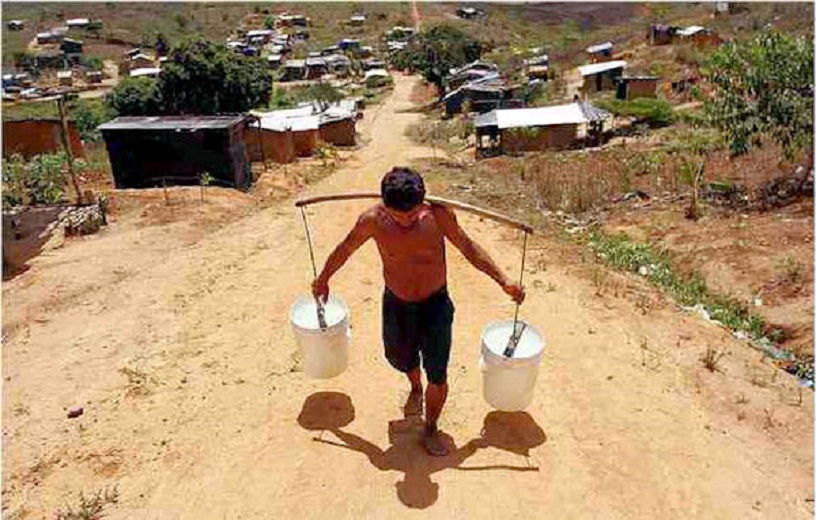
{"points": [[515, 291]]}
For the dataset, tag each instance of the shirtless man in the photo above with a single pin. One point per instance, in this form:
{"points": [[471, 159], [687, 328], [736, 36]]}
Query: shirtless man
{"points": [[417, 311]]}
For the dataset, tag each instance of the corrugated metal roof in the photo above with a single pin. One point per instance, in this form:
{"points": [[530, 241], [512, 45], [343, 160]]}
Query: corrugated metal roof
{"points": [[64, 74], [640, 78], [260, 32], [376, 73], [77, 21], [600, 47], [597, 68], [573, 113], [690, 31], [295, 64], [294, 124], [542, 59], [144, 71], [315, 62], [191, 123]]}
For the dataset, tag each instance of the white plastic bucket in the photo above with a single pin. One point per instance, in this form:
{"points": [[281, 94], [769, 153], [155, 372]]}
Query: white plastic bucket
{"points": [[325, 352], [508, 383]]}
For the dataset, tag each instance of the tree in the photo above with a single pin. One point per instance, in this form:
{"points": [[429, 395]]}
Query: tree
{"points": [[437, 50], [162, 44], [323, 93], [203, 77], [135, 97], [763, 88], [92, 62]]}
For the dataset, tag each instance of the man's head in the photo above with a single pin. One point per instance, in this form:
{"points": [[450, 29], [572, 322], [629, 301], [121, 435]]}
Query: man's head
{"points": [[403, 191]]}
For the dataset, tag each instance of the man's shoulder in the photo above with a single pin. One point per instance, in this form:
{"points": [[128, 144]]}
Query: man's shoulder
{"points": [[371, 215]]}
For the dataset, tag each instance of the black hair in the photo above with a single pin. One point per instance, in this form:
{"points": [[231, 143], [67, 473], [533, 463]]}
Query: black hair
{"points": [[402, 189]]}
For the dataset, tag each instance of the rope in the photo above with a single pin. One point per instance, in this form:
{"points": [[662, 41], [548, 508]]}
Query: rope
{"points": [[309, 240], [513, 341], [321, 313]]}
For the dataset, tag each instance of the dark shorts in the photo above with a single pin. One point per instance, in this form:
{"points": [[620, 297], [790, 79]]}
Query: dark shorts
{"points": [[411, 328]]}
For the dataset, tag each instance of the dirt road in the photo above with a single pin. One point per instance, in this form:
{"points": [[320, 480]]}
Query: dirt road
{"points": [[176, 343]]}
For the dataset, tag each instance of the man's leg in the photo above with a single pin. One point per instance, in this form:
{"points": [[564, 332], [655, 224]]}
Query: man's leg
{"points": [[436, 353], [413, 406], [435, 398]]}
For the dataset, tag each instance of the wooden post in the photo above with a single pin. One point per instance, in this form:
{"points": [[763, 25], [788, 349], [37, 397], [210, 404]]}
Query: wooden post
{"points": [[67, 147], [263, 149]]}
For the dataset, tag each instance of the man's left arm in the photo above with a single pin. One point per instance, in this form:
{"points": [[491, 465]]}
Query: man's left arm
{"points": [[475, 254]]}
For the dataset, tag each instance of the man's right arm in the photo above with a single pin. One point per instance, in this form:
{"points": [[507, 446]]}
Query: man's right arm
{"points": [[359, 234]]}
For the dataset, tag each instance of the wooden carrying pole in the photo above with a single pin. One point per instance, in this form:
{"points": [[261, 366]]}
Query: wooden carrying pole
{"points": [[433, 200]]}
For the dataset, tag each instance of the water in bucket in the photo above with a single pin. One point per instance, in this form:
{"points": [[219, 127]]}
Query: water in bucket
{"points": [[325, 351], [508, 383]]}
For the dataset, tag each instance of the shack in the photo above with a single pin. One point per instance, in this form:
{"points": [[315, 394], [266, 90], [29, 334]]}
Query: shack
{"points": [[274, 61], [535, 129], [633, 87], [34, 136], [259, 36], [294, 70], [477, 70], [286, 134], [316, 68], [601, 76], [338, 127], [50, 59], [65, 78], [481, 96], [71, 46], [15, 25], [357, 20], [538, 67], [373, 64], [470, 13], [661, 34], [600, 53], [93, 76], [176, 150], [46, 38], [338, 64], [699, 35], [151, 72], [77, 23], [347, 44], [291, 20]]}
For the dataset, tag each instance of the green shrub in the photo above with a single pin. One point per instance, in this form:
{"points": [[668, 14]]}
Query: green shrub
{"points": [[379, 81], [92, 62], [654, 112]]}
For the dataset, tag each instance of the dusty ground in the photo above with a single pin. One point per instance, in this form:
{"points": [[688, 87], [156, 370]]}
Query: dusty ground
{"points": [[173, 334], [764, 259]]}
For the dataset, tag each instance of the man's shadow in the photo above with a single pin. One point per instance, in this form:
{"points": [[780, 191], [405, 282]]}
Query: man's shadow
{"points": [[515, 432]]}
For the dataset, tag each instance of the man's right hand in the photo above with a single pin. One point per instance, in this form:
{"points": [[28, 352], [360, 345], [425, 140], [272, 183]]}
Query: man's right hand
{"points": [[320, 289]]}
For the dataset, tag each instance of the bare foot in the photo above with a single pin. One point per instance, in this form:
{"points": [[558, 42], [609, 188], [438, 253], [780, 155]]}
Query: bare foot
{"points": [[413, 405], [434, 444]]}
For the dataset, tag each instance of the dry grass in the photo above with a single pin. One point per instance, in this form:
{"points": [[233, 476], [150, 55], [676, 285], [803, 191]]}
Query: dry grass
{"points": [[711, 358]]}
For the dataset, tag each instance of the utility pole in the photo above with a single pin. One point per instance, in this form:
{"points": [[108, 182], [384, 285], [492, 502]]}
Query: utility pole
{"points": [[67, 147]]}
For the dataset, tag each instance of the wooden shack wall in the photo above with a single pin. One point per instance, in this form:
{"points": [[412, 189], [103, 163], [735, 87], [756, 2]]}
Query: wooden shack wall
{"points": [[33, 137]]}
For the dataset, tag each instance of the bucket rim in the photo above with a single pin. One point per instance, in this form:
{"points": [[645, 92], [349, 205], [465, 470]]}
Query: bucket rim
{"points": [[516, 360], [307, 298]]}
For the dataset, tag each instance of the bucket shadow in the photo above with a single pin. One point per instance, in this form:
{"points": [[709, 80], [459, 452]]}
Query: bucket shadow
{"points": [[330, 411]]}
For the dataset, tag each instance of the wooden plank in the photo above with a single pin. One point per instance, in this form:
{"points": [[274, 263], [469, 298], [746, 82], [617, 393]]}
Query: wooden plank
{"points": [[432, 200]]}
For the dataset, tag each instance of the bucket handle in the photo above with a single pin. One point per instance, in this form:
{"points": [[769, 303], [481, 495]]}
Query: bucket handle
{"points": [[512, 343], [321, 311]]}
